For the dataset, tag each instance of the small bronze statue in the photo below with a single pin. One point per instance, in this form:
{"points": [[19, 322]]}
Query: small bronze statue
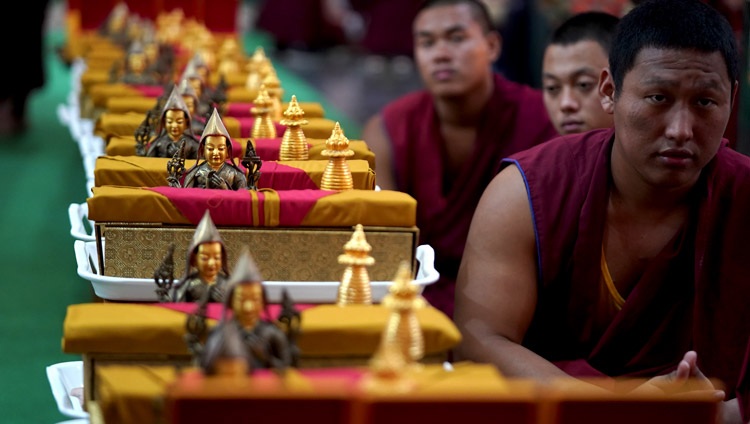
{"points": [[206, 274], [136, 69], [175, 131], [197, 121], [215, 168], [267, 344]]}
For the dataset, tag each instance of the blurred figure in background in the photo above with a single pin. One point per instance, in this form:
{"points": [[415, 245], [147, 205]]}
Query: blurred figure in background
{"points": [[23, 70], [443, 144], [573, 61]]}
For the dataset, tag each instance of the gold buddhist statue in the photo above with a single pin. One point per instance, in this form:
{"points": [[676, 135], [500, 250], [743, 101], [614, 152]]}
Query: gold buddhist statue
{"points": [[206, 273], [264, 343]]}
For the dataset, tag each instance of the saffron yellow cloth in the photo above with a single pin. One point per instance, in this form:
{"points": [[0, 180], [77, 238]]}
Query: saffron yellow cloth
{"points": [[101, 92], [108, 125], [137, 171], [384, 208], [124, 124], [131, 393], [142, 104], [326, 330], [124, 145]]}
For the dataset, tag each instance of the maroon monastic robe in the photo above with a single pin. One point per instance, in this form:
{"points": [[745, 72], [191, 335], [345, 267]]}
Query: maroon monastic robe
{"points": [[513, 120], [693, 296]]}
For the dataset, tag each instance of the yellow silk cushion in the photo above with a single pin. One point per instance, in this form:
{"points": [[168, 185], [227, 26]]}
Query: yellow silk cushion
{"points": [[125, 146], [384, 208], [326, 330], [142, 104], [124, 124], [137, 171]]}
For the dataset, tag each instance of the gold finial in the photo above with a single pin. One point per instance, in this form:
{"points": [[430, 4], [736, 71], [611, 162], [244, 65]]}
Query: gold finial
{"points": [[355, 283], [337, 175], [256, 76], [293, 143], [388, 370], [263, 126], [258, 57], [403, 325], [275, 92]]}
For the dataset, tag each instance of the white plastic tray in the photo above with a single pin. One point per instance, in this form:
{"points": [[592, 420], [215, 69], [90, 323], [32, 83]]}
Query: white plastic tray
{"points": [[63, 378], [81, 228], [143, 289]]}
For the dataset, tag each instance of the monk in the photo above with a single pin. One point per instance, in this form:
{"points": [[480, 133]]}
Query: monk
{"points": [[623, 252], [443, 144], [573, 60]]}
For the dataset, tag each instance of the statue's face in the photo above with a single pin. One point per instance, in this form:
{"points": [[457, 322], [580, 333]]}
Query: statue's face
{"points": [[175, 122], [137, 62], [197, 85], [190, 102], [247, 303], [215, 150], [208, 260]]}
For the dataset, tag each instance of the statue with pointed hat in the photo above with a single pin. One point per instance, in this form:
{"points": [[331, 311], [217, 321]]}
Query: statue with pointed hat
{"points": [[174, 130], [206, 274], [197, 121], [265, 343], [137, 69], [215, 168]]}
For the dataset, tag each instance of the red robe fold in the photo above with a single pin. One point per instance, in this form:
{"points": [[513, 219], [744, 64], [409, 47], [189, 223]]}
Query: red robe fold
{"points": [[514, 119], [692, 296]]}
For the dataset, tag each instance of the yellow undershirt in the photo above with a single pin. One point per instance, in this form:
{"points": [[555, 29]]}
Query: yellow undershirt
{"points": [[616, 298]]}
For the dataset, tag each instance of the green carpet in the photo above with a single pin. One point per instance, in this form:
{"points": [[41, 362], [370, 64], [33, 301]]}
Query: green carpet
{"points": [[43, 176]]}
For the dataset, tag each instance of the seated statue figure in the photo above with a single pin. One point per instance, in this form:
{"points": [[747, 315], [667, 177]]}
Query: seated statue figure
{"points": [[243, 335], [206, 273], [136, 70], [215, 168], [174, 130], [197, 121]]}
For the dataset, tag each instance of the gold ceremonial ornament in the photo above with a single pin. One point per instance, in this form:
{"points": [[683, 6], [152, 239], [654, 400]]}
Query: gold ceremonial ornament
{"points": [[403, 328], [337, 175], [258, 57], [293, 142], [275, 92], [255, 78], [355, 286], [263, 126], [388, 372]]}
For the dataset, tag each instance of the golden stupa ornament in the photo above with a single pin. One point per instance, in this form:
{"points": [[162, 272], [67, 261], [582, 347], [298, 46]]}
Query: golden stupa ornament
{"points": [[255, 78], [293, 143], [389, 370], [275, 92], [355, 283], [337, 175], [403, 325], [263, 126], [257, 58]]}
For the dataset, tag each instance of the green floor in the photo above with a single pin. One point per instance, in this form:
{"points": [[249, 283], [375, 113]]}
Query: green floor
{"points": [[43, 176]]}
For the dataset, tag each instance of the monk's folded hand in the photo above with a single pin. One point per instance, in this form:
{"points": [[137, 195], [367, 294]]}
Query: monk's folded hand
{"points": [[687, 378]]}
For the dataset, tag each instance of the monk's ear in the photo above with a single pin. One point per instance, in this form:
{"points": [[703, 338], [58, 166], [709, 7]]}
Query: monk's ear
{"points": [[607, 91], [495, 45]]}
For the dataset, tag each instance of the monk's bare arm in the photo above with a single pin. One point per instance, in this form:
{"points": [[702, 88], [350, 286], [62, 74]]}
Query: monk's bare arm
{"points": [[377, 140], [496, 292]]}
